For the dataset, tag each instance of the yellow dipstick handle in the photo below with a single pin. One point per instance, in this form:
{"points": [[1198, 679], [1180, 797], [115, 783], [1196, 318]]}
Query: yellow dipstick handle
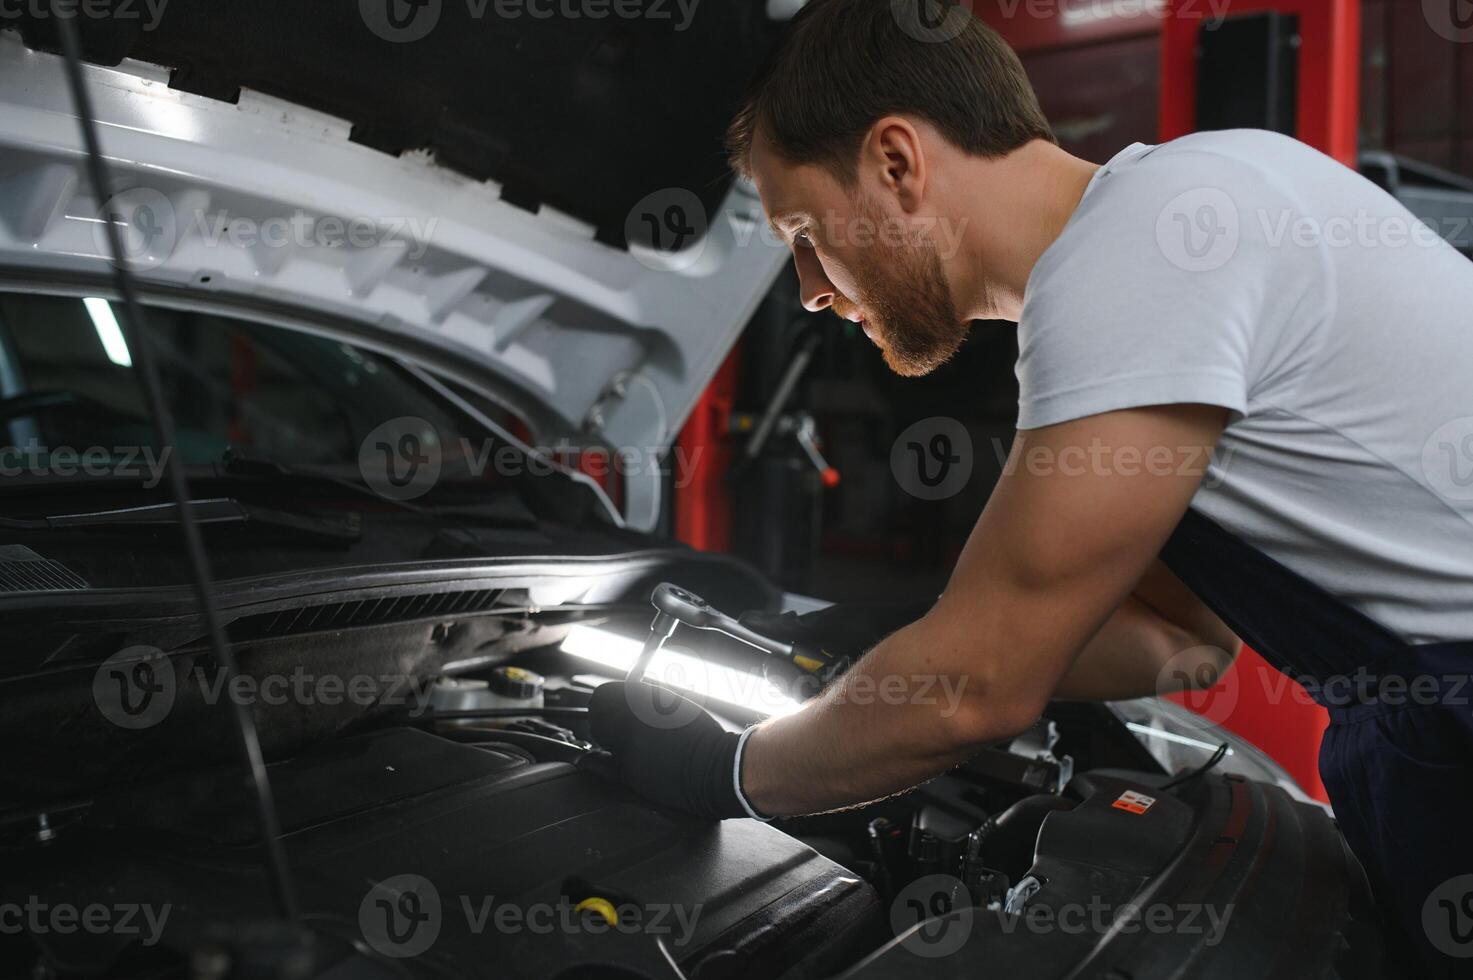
{"points": [[600, 907]]}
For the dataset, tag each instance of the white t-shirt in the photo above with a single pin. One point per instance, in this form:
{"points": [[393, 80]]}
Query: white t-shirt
{"points": [[1245, 269]]}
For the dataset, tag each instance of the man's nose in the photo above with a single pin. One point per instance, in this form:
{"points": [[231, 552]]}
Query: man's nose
{"points": [[813, 285]]}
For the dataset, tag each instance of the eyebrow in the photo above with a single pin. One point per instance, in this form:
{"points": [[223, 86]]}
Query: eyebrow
{"points": [[782, 217]]}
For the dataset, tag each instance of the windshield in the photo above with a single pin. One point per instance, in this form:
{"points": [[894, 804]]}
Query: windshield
{"points": [[303, 453], [68, 393]]}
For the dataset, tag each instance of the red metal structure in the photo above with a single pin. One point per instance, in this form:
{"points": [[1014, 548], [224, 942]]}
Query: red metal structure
{"points": [[703, 506], [1329, 69]]}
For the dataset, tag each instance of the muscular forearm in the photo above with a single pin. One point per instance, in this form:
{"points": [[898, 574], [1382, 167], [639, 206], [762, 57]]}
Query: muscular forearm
{"points": [[908, 710], [899, 717], [1136, 653], [1160, 639], [1052, 560]]}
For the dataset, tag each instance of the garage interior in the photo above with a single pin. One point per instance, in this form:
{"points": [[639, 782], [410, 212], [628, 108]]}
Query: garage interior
{"points": [[1370, 83], [693, 481]]}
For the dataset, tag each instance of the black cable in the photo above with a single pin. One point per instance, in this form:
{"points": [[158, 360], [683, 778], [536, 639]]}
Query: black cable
{"points": [[471, 714], [133, 329], [1218, 756]]}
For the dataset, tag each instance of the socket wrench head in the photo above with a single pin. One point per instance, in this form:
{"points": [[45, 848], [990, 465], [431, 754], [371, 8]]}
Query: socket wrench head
{"points": [[697, 613], [686, 607]]}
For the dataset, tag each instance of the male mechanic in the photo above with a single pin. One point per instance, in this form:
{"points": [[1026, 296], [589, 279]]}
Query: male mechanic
{"points": [[1235, 294]]}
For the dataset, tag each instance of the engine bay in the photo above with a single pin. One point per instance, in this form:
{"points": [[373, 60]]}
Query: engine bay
{"points": [[465, 824], [467, 857]]}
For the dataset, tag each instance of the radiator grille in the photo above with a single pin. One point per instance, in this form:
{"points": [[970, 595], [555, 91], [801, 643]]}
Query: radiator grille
{"points": [[22, 570], [362, 612]]}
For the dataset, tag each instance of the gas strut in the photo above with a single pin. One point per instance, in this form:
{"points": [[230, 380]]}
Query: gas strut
{"points": [[148, 377]]}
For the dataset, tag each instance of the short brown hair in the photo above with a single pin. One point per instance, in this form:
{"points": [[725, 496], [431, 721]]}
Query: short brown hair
{"points": [[846, 63]]}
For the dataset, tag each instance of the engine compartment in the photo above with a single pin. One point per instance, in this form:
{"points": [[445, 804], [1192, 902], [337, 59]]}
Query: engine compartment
{"points": [[472, 829], [451, 858]]}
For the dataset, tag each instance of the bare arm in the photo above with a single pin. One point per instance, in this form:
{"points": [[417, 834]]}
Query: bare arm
{"points": [[1056, 551], [1160, 639]]}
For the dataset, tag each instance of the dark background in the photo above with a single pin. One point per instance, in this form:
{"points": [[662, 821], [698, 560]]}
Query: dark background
{"points": [[872, 539]]}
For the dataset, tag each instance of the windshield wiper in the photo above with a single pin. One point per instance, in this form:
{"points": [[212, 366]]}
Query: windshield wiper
{"points": [[496, 509], [214, 510], [238, 462]]}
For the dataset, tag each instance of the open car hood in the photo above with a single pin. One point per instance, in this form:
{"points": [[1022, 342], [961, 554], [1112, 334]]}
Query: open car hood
{"points": [[495, 200]]}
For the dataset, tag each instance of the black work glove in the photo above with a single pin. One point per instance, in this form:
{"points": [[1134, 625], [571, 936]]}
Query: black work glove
{"points": [[667, 748]]}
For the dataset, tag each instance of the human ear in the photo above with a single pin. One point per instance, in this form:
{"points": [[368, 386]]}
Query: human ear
{"points": [[893, 156]]}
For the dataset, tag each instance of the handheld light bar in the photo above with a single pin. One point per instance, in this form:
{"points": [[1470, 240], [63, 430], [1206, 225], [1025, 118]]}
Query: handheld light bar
{"points": [[678, 669]]}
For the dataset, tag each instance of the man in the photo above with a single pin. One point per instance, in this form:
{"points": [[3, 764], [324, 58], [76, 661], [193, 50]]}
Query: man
{"points": [[1231, 295]]}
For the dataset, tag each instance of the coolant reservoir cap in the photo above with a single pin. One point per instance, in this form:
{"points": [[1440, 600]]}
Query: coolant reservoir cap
{"points": [[516, 682]]}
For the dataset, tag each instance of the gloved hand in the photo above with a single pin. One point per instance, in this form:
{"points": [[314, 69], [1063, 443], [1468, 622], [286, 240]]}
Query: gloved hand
{"points": [[668, 749]]}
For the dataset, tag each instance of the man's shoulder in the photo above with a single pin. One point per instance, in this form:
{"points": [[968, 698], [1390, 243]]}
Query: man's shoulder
{"points": [[1254, 170], [1249, 163], [1250, 146], [1248, 153], [1151, 209], [1181, 222]]}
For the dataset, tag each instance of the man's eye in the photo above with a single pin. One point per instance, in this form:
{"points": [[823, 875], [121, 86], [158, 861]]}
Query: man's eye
{"points": [[804, 239]]}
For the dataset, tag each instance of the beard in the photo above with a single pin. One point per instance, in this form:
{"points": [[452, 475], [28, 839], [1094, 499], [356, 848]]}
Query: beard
{"points": [[907, 304]]}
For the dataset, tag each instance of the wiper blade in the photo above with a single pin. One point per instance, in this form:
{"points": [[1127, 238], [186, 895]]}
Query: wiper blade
{"points": [[498, 511], [215, 510], [238, 463]]}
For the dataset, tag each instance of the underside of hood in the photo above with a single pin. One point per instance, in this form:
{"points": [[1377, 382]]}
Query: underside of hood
{"points": [[537, 207], [585, 106]]}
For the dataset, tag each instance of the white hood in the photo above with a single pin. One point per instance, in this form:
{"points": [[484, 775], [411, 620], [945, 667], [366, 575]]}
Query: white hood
{"points": [[268, 208]]}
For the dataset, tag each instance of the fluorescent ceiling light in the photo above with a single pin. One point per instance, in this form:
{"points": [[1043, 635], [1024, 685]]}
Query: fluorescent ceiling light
{"points": [[108, 331], [675, 668]]}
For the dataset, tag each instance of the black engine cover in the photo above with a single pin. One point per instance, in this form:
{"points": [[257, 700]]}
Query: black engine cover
{"points": [[448, 859]]}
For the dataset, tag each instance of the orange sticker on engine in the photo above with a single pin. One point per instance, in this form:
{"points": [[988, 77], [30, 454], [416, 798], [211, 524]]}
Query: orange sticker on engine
{"points": [[1132, 802]]}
